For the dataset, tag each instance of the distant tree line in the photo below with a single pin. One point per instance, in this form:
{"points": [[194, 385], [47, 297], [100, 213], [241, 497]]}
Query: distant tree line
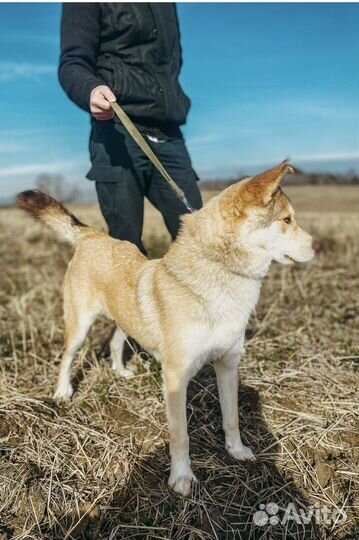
{"points": [[55, 185]]}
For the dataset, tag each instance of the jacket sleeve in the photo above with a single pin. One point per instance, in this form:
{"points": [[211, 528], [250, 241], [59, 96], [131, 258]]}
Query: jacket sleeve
{"points": [[80, 35], [179, 37]]}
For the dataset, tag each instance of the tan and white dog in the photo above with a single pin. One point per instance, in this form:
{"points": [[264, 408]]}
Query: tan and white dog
{"points": [[186, 309]]}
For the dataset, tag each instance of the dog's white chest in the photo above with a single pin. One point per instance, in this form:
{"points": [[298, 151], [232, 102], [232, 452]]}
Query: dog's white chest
{"points": [[224, 325]]}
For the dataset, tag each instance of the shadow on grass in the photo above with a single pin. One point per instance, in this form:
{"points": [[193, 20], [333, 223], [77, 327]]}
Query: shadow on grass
{"points": [[224, 504]]}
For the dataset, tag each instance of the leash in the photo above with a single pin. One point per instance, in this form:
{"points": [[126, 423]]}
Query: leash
{"points": [[136, 135]]}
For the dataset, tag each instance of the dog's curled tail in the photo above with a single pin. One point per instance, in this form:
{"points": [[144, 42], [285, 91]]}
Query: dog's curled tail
{"points": [[42, 206]]}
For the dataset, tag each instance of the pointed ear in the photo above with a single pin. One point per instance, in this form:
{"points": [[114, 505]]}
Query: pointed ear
{"points": [[263, 186]]}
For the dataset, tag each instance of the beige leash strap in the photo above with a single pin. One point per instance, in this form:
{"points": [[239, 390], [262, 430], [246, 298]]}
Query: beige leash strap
{"points": [[133, 131]]}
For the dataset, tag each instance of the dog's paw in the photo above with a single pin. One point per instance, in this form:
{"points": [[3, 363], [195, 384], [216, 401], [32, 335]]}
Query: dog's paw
{"points": [[183, 484], [64, 392], [241, 452], [124, 373]]}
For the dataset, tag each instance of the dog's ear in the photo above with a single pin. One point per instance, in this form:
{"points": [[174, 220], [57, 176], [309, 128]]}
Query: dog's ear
{"points": [[263, 186]]}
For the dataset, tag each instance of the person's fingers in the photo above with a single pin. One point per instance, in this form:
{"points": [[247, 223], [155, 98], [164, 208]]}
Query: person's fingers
{"points": [[108, 94], [101, 96], [100, 102]]}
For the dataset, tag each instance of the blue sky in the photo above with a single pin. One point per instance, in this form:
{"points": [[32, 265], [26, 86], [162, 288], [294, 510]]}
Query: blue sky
{"points": [[267, 81]]}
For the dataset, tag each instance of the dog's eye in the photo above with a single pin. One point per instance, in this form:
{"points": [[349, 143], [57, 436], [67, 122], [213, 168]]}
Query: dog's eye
{"points": [[288, 220]]}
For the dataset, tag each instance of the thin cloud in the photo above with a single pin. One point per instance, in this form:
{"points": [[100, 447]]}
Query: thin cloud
{"points": [[30, 37], [10, 71], [222, 133], [38, 168], [330, 156], [314, 108], [8, 147], [263, 112], [205, 139]]}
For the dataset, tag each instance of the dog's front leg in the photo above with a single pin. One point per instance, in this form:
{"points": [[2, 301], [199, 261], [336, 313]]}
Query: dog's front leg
{"points": [[227, 379], [175, 389]]}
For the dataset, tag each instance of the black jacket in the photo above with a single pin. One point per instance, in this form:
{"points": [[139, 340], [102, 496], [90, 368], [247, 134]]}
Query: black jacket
{"points": [[134, 49]]}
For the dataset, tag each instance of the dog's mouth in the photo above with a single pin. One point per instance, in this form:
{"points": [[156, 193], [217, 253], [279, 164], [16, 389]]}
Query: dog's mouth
{"points": [[285, 259], [288, 260], [301, 259]]}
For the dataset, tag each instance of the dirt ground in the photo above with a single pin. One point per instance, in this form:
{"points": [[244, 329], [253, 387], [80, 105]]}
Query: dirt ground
{"points": [[97, 468]]}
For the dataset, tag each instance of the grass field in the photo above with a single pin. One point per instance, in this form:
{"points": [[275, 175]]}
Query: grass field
{"points": [[97, 468]]}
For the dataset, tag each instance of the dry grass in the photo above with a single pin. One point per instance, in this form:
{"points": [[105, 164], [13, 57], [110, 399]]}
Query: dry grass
{"points": [[97, 468]]}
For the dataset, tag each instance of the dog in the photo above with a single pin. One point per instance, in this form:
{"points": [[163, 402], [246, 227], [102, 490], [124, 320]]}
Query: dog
{"points": [[187, 309]]}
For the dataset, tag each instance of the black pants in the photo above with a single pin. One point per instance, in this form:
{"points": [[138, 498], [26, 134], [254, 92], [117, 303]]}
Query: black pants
{"points": [[124, 176]]}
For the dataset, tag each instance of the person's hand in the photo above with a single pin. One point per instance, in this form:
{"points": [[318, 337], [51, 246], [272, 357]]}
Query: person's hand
{"points": [[100, 99]]}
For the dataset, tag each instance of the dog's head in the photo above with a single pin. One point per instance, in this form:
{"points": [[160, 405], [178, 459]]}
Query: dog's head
{"points": [[261, 217], [256, 221]]}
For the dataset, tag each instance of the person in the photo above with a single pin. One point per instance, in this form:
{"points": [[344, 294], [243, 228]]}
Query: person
{"points": [[130, 52]]}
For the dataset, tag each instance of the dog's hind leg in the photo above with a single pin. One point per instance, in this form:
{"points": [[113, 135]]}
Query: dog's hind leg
{"points": [[227, 379], [117, 347], [77, 324]]}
